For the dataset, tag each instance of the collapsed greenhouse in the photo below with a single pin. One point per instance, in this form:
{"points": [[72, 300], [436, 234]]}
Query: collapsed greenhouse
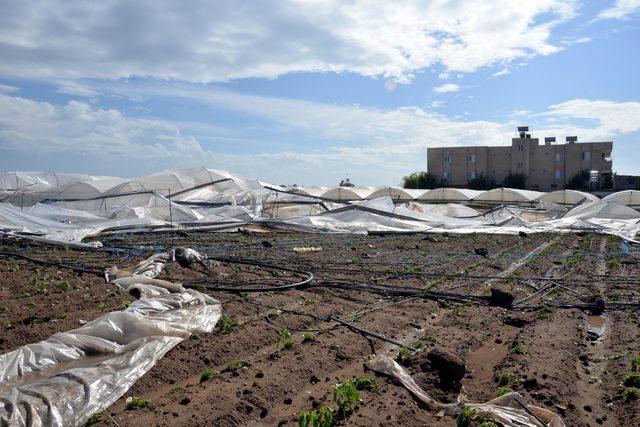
{"points": [[212, 278]]}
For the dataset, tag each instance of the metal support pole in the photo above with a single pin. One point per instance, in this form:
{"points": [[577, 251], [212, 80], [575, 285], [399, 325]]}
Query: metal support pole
{"points": [[170, 209]]}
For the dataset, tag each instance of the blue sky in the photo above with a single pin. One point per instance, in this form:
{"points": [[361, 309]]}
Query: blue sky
{"points": [[309, 91]]}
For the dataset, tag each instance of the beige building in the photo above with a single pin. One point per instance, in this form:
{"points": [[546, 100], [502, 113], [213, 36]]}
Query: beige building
{"points": [[548, 166]]}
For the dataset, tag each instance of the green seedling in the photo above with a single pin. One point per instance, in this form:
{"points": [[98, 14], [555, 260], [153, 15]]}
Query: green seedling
{"points": [[632, 380], [308, 337], [465, 417], [403, 354], [133, 402], [365, 383], [124, 305], [346, 396], [503, 391], [285, 339], [194, 337], [505, 378], [103, 306], [631, 393], [226, 325], [320, 418], [62, 316], [635, 364], [519, 348], [206, 375], [64, 286]]}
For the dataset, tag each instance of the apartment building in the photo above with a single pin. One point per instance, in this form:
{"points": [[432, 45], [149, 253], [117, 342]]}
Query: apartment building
{"points": [[548, 166]]}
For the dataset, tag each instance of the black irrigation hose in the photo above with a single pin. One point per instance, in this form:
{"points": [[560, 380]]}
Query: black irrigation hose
{"points": [[52, 263], [297, 285]]}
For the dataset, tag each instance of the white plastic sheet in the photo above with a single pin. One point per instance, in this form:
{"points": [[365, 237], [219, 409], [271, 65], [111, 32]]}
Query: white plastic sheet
{"points": [[504, 409], [64, 380]]}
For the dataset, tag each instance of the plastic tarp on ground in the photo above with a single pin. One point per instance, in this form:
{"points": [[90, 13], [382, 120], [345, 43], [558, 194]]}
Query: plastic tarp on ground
{"points": [[64, 380]]}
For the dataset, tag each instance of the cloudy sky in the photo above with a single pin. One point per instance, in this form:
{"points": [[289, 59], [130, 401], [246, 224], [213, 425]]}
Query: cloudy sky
{"points": [[309, 91]]}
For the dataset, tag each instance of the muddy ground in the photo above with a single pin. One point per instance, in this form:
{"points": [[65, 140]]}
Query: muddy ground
{"points": [[564, 359]]}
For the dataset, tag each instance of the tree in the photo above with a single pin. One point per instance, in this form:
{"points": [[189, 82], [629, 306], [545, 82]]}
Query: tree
{"points": [[578, 181], [420, 180], [482, 182], [515, 180]]}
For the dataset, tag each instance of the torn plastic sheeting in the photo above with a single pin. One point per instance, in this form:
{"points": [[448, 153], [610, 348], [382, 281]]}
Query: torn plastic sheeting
{"points": [[502, 409], [74, 374]]}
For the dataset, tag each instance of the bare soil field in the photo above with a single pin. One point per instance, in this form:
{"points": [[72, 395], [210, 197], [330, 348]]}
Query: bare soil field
{"points": [[278, 353]]}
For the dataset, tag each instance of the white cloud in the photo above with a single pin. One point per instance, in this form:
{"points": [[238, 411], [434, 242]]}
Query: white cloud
{"points": [[447, 88], [621, 9], [77, 128], [502, 72], [443, 76], [8, 89], [437, 104], [222, 41], [74, 88], [609, 119]]}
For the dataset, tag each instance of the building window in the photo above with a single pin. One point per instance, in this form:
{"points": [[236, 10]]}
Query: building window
{"points": [[445, 175], [446, 158], [559, 157], [520, 165], [520, 147], [472, 158], [586, 155], [559, 174], [472, 175]]}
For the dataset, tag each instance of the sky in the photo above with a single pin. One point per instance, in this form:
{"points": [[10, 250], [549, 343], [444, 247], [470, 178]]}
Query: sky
{"points": [[308, 91]]}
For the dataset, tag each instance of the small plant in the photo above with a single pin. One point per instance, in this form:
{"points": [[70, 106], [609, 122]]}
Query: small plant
{"points": [[504, 379], [134, 402], [635, 364], [308, 337], [320, 418], [206, 375], [201, 289], [503, 391], [631, 393], [103, 306], [194, 337], [593, 380], [632, 380], [365, 383], [226, 325], [403, 354], [616, 356], [488, 424], [124, 305], [41, 288], [285, 339], [62, 316], [238, 364], [465, 417], [64, 286], [346, 396], [519, 348]]}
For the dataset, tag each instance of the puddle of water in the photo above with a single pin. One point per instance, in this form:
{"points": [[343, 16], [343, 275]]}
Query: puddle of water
{"points": [[596, 324]]}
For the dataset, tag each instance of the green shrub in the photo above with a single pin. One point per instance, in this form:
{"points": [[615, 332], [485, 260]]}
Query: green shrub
{"points": [[309, 337]]}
